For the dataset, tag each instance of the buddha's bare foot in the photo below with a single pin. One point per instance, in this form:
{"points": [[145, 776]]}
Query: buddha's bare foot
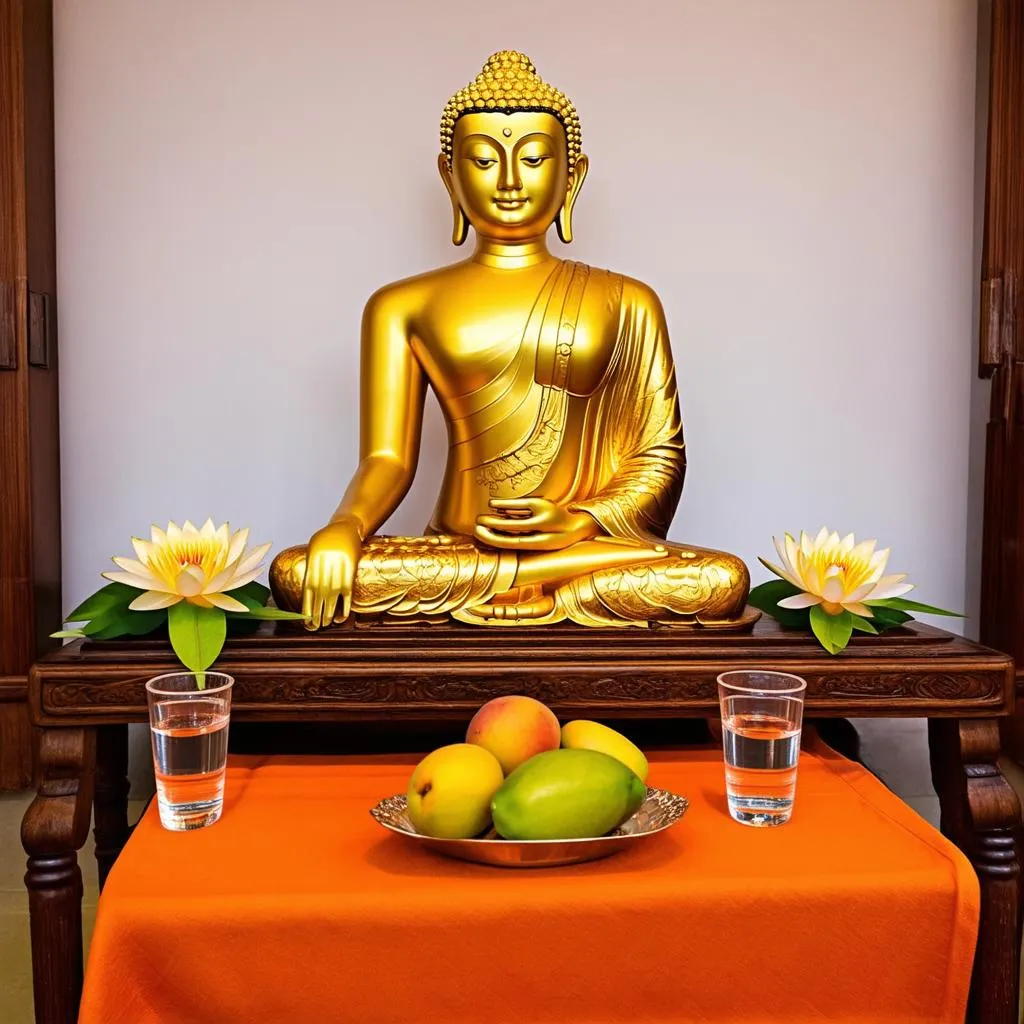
{"points": [[744, 621], [538, 608]]}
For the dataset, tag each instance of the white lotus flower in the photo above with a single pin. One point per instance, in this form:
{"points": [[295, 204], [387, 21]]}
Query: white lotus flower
{"points": [[186, 564], [836, 574]]}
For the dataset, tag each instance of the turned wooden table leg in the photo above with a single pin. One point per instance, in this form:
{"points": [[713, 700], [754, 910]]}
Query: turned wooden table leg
{"points": [[54, 828], [981, 814], [111, 829]]}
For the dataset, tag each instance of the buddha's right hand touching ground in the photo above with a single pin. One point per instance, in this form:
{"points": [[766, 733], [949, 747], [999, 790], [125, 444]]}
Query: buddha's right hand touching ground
{"points": [[330, 573]]}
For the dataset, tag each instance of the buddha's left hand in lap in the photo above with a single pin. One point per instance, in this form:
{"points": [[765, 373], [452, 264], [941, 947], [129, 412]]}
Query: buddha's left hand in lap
{"points": [[533, 524]]}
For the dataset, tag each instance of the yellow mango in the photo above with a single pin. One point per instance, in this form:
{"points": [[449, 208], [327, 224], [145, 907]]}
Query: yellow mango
{"points": [[449, 794], [583, 735]]}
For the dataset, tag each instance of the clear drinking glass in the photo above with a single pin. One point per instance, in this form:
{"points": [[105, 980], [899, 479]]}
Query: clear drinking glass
{"points": [[189, 726], [762, 714]]}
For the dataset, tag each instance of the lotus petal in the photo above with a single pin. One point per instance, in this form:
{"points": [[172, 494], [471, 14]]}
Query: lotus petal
{"points": [[879, 559], [190, 581], [241, 581], [860, 593], [788, 577], [858, 609], [812, 580], [152, 601], [889, 587], [252, 560], [792, 552], [864, 551], [780, 547], [800, 601], [146, 579], [223, 537], [237, 546], [225, 601], [142, 549], [127, 578]]}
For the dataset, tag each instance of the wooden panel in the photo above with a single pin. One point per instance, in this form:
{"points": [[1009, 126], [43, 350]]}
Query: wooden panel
{"points": [[29, 439], [41, 261], [1002, 345]]}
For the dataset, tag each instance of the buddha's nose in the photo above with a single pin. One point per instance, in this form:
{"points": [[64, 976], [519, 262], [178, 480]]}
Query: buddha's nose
{"points": [[509, 179]]}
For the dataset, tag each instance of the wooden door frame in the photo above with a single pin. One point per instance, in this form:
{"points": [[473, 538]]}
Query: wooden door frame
{"points": [[1001, 351], [30, 585]]}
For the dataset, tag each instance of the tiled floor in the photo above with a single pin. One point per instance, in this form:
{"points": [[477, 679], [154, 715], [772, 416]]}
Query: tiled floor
{"points": [[896, 750]]}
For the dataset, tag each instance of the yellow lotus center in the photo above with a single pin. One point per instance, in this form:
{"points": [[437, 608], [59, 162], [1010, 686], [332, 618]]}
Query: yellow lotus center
{"points": [[193, 553]]}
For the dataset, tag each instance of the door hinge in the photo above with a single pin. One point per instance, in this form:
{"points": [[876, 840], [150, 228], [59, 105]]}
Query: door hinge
{"points": [[998, 336], [40, 329]]}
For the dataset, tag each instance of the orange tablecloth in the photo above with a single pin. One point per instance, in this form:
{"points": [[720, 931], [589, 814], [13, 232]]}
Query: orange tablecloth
{"points": [[296, 907]]}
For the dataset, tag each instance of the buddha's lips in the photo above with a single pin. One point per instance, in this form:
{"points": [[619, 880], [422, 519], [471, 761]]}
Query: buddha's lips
{"points": [[510, 204]]}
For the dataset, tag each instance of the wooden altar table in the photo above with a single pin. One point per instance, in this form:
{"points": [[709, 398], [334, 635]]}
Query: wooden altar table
{"points": [[399, 676]]}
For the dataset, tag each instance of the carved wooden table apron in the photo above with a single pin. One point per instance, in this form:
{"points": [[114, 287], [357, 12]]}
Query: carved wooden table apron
{"points": [[83, 698]]}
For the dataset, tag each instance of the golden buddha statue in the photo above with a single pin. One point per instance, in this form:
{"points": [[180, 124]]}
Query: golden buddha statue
{"points": [[556, 382]]}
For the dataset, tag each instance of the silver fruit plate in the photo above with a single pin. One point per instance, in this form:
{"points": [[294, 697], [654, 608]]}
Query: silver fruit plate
{"points": [[658, 812]]}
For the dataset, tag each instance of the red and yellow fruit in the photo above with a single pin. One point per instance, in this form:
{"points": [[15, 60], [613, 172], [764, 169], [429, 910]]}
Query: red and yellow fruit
{"points": [[514, 729]]}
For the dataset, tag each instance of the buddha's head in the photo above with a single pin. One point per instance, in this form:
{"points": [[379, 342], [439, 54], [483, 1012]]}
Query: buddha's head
{"points": [[510, 153]]}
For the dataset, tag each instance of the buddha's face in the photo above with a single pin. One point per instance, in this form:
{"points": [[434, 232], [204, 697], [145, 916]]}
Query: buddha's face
{"points": [[510, 172]]}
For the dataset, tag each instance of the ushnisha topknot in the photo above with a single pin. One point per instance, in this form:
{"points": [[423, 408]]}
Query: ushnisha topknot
{"points": [[509, 82]]}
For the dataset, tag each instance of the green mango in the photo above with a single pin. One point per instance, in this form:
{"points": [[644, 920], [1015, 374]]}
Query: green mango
{"points": [[566, 794]]}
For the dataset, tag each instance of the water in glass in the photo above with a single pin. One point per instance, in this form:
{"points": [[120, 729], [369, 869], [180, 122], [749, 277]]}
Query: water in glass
{"points": [[189, 727], [762, 713], [190, 748], [761, 753]]}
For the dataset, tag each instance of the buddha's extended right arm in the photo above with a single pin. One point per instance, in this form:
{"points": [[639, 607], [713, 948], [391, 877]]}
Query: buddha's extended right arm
{"points": [[392, 390]]}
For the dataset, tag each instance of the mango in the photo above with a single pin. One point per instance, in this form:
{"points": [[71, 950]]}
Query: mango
{"points": [[584, 735], [566, 794], [450, 791], [513, 729]]}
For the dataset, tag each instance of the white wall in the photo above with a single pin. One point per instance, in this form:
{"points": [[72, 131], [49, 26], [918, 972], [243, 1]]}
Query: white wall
{"points": [[794, 177]]}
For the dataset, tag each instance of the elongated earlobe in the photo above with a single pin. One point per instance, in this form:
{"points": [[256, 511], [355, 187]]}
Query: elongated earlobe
{"points": [[460, 225], [563, 222]]}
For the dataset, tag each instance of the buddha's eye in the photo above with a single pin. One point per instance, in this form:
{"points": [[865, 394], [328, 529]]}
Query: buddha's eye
{"points": [[534, 161], [483, 162]]}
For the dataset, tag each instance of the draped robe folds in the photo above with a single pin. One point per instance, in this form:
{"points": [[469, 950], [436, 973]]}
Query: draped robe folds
{"points": [[601, 434]]}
